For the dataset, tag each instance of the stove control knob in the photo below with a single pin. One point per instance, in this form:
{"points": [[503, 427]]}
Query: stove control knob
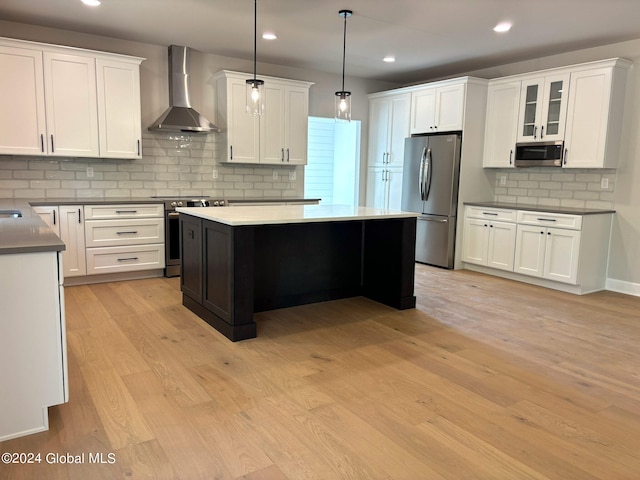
{"points": [[222, 203], [174, 204], [216, 203], [180, 204]]}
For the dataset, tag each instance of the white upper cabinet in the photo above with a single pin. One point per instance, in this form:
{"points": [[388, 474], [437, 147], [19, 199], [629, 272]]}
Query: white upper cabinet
{"points": [[594, 116], [284, 124], [242, 130], [119, 123], [279, 136], [437, 108], [70, 102], [22, 116], [543, 108], [582, 105], [71, 105], [503, 101], [389, 117]]}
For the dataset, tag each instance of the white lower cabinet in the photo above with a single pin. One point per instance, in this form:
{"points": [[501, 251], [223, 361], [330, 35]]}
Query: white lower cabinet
{"points": [[124, 238], [548, 249], [489, 243], [104, 239], [489, 237], [50, 216], [550, 253], [67, 221], [72, 234]]}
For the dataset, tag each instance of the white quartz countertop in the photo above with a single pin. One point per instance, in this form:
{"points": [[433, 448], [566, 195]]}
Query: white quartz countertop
{"points": [[273, 215]]}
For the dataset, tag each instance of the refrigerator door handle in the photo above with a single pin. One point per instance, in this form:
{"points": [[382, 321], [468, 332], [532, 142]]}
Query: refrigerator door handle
{"points": [[437, 220], [423, 159], [428, 164]]}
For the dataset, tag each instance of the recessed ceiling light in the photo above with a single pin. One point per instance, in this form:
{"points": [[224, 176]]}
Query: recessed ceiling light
{"points": [[269, 36], [502, 27], [389, 59], [91, 3]]}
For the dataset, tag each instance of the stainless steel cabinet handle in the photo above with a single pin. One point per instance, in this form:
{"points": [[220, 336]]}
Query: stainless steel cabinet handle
{"points": [[127, 233], [547, 219], [535, 132], [42, 143], [490, 213], [54, 217], [282, 155], [541, 132], [79, 216], [566, 152], [288, 155], [130, 259], [231, 152], [138, 147], [510, 157], [52, 147], [126, 211]]}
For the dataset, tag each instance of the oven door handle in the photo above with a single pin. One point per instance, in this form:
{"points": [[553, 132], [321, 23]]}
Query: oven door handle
{"points": [[173, 214]]}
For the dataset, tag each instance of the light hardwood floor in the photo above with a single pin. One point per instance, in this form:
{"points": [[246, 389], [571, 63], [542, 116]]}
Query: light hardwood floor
{"points": [[486, 379]]}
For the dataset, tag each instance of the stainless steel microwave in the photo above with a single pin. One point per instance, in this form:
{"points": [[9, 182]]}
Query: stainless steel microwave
{"points": [[539, 154]]}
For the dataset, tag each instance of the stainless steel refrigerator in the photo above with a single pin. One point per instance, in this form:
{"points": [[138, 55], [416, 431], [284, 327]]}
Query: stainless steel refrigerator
{"points": [[430, 187]]}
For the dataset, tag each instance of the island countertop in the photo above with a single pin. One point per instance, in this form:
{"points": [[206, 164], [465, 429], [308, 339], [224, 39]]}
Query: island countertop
{"points": [[282, 214]]}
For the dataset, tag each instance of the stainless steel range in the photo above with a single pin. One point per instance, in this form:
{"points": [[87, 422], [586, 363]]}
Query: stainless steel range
{"points": [[172, 227]]}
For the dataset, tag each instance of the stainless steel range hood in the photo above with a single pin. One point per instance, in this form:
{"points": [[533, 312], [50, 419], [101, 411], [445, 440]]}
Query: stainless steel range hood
{"points": [[180, 117]]}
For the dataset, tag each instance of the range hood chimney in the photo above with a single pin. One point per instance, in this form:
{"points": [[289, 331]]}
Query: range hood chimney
{"points": [[180, 117]]}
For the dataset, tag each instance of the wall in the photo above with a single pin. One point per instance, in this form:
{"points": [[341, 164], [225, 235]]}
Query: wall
{"points": [[171, 164]]}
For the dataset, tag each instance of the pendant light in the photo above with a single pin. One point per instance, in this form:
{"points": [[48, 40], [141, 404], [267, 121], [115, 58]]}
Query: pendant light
{"points": [[255, 87], [343, 98]]}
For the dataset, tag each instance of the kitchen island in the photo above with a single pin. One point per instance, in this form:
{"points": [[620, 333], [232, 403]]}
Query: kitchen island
{"points": [[242, 260]]}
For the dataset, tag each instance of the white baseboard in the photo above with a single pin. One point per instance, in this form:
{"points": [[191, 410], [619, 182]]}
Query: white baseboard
{"points": [[621, 286]]}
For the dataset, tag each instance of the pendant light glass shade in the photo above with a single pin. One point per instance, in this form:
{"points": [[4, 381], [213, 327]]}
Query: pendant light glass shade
{"points": [[255, 95], [343, 98], [343, 106], [255, 87]]}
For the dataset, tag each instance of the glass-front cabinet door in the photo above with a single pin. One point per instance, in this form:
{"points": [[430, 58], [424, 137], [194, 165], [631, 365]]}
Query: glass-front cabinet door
{"points": [[543, 108]]}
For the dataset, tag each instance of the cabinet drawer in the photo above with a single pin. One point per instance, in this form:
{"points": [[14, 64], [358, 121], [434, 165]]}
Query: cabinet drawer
{"points": [[124, 259], [135, 231], [557, 220], [100, 212], [486, 213]]}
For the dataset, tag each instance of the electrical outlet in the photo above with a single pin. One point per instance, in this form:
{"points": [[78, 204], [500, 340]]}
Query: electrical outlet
{"points": [[215, 174], [503, 179], [275, 174], [89, 172], [604, 183], [292, 175]]}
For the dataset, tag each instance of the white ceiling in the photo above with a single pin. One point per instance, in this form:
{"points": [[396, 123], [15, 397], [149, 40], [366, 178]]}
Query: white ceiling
{"points": [[429, 38]]}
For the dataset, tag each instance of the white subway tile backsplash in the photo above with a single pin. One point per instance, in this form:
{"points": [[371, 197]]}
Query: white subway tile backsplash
{"points": [[172, 164], [553, 187]]}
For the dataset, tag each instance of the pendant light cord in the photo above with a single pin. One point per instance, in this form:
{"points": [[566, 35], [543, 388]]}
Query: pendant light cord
{"points": [[255, 36], [344, 47]]}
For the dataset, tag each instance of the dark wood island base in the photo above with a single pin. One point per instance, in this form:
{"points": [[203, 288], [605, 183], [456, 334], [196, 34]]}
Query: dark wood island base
{"points": [[231, 272]]}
